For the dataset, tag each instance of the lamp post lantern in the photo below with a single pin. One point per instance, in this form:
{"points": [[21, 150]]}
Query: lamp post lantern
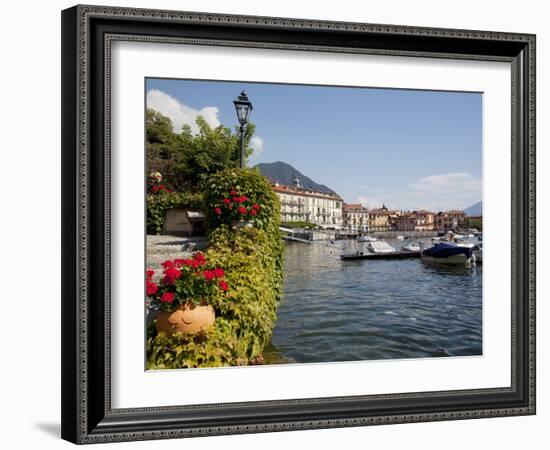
{"points": [[243, 107]]}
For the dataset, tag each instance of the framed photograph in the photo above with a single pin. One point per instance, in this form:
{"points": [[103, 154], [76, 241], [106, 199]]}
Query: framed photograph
{"points": [[267, 222]]}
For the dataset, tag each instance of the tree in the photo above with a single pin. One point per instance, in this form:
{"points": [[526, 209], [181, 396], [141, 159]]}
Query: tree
{"points": [[185, 159]]}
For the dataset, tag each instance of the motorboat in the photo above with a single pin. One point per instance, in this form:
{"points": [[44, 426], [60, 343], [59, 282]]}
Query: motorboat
{"points": [[401, 238], [380, 247], [412, 247], [366, 239], [449, 253]]}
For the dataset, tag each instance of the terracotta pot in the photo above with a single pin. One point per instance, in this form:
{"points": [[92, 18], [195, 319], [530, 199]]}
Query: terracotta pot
{"points": [[187, 318], [242, 224]]}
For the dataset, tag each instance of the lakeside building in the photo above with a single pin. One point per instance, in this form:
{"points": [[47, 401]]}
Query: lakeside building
{"points": [[405, 222], [449, 220], [381, 219], [355, 218], [306, 205], [424, 220]]}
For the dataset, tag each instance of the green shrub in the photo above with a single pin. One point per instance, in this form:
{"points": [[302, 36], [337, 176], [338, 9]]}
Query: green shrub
{"points": [[248, 182], [159, 204], [253, 262], [298, 224]]}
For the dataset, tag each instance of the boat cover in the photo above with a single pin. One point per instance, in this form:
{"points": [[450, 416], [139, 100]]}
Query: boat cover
{"points": [[446, 250]]}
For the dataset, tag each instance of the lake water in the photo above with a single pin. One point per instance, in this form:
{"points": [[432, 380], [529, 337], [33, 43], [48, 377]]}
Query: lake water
{"points": [[334, 310]]}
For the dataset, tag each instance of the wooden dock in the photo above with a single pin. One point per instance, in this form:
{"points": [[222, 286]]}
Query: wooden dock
{"points": [[368, 255]]}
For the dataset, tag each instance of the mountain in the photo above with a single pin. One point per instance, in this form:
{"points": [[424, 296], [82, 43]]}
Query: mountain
{"points": [[475, 210], [283, 173]]}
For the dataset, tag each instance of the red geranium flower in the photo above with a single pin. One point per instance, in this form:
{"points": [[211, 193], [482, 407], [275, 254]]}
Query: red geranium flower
{"points": [[224, 285], [167, 297], [218, 272], [244, 198], [209, 275], [155, 188], [168, 264], [150, 273], [171, 275], [237, 199], [226, 201], [233, 192], [200, 258], [151, 288], [217, 211], [178, 262], [242, 210], [253, 212], [256, 206]]}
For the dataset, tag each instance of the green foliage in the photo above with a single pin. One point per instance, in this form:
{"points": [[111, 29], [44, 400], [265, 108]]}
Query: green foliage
{"points": [[245, 316], [159, 204], [186, 158], [249, 182], [298, 224], [474, 223]]}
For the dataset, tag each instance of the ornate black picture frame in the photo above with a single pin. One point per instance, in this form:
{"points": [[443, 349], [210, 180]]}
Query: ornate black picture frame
{"points": [[87, 34]]}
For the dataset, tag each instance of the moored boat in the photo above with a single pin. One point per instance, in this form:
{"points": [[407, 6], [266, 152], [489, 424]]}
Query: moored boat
{"points": [[366, 239], [380, 247], [412, 247], [448, 253]]}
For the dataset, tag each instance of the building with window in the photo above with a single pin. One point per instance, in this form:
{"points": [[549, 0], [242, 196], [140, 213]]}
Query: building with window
{"points": [[380, 219], [424, 220], [355, 218], [305, 205], [449, 220], [415, 221]]}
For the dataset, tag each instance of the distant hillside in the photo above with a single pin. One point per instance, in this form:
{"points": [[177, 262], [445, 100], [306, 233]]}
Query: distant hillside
{"points": [[283, 173], [475, 210]]}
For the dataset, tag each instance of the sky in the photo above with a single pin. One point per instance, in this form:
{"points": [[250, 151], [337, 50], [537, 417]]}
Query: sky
{"points": [[407, 149]]}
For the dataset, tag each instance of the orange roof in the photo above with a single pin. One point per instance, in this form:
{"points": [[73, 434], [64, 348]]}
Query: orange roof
{"points": [[380, 212], [354, 207]]}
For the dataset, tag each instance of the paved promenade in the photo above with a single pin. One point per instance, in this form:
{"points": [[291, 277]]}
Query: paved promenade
{"points": [[161, 248]]}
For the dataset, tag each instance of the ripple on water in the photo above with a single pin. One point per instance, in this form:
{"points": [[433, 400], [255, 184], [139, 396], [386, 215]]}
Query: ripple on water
{"points": [[333, 310]]}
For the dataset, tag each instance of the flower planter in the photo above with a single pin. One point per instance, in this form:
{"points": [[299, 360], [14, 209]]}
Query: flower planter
{"points": [[242, 224], [187, 318]]}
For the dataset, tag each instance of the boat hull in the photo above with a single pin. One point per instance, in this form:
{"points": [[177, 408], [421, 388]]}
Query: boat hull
{"points": [[448, 254], [454, 259]]}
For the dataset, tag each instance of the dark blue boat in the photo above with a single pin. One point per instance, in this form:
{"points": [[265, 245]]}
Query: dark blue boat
{"points": [[448, 253]]}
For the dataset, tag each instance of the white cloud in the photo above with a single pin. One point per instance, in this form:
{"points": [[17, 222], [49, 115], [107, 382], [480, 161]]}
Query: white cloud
{"points": [[460, 181], [370, 202], [257, 144], [437, 193], [179, 113]]}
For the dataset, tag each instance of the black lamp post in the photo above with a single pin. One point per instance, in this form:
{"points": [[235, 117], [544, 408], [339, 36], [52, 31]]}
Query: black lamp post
{"points": [[243, 108]]}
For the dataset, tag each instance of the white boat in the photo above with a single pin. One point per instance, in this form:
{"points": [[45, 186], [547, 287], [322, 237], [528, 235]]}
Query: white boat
{"points": [[401, 238], [366, 239], [412, 247], [380, 247]]}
